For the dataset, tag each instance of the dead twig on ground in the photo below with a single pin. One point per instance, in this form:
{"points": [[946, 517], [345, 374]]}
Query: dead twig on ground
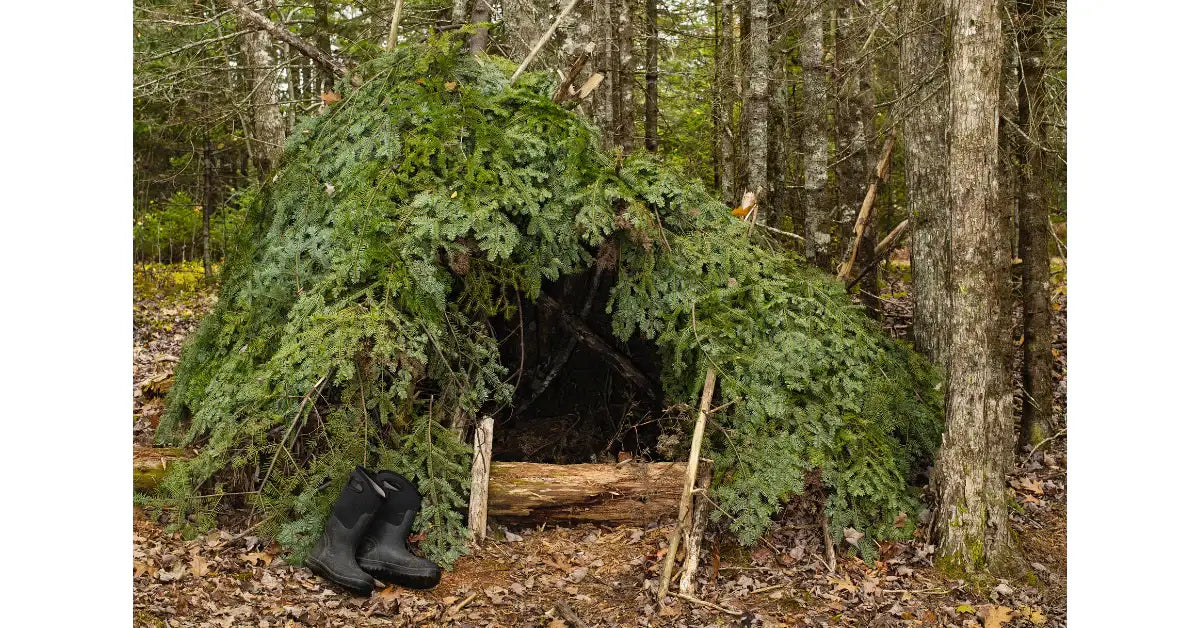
{"points": [[567, 614], [715, 607]]}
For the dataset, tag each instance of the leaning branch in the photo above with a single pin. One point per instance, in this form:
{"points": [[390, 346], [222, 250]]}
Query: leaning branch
{"points": [[864, 213], [882, 250], [623, 365], [327, 62], [542, 42]]}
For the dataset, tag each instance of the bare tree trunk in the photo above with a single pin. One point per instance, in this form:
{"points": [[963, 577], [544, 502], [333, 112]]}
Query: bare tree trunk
{"points": [[778, 127], [815, 136], [854, 160], [924, 126], [625, 64], [972, 519], [756, 104], [458, 13], [322, 35], [266, 119], [652, 75], [868, 288], [1034, 220], [602, 109], [208, 206], [481, 12], [723, 101]]}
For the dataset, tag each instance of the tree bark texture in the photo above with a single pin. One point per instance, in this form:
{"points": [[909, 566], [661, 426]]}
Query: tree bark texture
{"points": [[652, 75], [815, 138], [624, 106], [924, 126], [602, 100], [481, 12], [208, 205], [854, 160], [758, 83], [632, 493], [724, 99], [972, 520], [266, 120], [1034, 222], [779, 129], [324, 41]]}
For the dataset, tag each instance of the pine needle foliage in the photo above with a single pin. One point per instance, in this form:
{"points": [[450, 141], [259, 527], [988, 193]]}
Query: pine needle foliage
{"points": [[353, 323]]}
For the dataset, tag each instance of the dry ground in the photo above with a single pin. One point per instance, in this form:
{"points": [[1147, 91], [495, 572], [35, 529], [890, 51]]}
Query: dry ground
{"points": [[590, 574]]}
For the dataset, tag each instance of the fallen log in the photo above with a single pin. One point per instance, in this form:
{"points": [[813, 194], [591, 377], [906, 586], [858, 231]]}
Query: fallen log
{"points": [[150, 465], [631, 493]]}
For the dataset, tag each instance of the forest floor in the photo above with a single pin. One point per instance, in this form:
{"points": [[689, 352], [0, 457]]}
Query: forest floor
{"points": [[593, 575]]}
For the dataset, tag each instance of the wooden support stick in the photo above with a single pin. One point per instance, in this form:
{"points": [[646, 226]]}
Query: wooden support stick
{"points": [[481, 471], [542, 42], [864, 213], [689, 484], [695, 533]]}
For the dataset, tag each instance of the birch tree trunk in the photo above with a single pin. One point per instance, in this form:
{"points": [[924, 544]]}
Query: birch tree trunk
{"points": [[1034, 221], [758, 82], [723, 101], [652, 75], [266, 120], [972, 518], [924, 127], [815, 137]]}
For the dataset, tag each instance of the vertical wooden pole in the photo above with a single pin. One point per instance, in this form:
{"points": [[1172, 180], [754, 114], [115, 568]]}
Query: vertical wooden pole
{"points": [[481, 471], [689, 483], [695, 533]]}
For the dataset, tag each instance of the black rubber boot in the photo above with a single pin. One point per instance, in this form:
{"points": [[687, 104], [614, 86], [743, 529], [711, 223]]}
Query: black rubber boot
{"points": [[384, 550], [333, 555]]}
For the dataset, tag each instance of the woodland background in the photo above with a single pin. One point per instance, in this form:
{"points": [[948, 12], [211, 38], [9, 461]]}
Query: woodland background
{"points": [[1111, 157]]}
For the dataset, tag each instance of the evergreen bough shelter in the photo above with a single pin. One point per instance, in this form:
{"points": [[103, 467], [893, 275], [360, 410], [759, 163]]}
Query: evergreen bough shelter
{"points": [[358, 320]]}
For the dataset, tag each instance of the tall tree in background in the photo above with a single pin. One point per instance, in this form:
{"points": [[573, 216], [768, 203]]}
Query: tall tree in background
{"points": [[853, 137], [1034, 223], [266, 122], [603, 102], [814, 134], [972, 519], [924, 127], [623, 94], [724, 97], [651, 75], [758, 82]]}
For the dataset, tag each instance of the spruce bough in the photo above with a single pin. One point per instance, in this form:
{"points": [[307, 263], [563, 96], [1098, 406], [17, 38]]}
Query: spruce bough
{"points": [[352, 322]]}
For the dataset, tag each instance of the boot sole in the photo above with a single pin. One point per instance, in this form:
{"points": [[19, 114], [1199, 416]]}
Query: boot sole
{"points": [[356, 587], [409, 577]]}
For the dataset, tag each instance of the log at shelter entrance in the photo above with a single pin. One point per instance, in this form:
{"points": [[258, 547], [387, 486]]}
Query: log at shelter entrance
{"points": [[445, 243]]}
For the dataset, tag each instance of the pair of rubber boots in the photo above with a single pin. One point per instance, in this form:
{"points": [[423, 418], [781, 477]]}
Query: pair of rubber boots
{"points": [[366, 536]]}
